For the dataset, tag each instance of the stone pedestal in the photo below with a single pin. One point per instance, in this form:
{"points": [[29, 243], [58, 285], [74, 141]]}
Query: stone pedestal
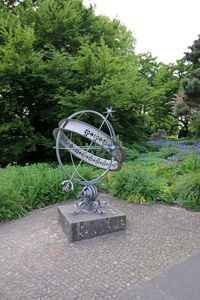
{"points": [[87, 225]]}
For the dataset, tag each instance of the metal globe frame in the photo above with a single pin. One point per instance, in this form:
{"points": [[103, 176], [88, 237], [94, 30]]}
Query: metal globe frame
{"points": [[72, 124]]}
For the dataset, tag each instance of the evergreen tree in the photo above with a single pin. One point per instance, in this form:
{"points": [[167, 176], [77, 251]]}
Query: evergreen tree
{"points": [[188, 100]]}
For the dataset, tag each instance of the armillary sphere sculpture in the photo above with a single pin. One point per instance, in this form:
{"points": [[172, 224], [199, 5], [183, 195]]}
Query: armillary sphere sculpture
{"points": [[90, 145]]}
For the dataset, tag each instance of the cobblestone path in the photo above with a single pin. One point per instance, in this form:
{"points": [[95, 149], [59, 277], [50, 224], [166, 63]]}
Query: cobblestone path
{"points": [[37, 262]]}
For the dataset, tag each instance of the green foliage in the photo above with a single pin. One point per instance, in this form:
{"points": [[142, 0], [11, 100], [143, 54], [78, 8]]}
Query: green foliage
{"points": [[150, 160], [160, 105], [57, 57], [31, 82], [168, 171], [29, 187], [191, 87], [143, 180], [187, 190], [194, 125], [142, 147], [17, 138], [148, 66], [111, 80], [33, 186], [172, 138], [131, 154], [135, 185], [194, 54], [139, 147], [190, 163], [188, 99], [154, 178], [181, 108], [167, 151]]}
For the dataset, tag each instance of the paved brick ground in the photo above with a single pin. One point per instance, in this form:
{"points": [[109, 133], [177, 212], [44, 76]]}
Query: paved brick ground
{"points": [[37, 262], [181, 282]]}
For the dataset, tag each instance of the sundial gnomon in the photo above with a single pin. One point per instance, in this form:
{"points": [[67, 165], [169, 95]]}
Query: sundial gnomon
{"points": [[86, 143]]}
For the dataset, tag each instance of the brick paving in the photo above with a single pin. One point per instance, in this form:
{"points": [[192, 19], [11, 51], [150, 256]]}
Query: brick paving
{"points": [[37, 262]]}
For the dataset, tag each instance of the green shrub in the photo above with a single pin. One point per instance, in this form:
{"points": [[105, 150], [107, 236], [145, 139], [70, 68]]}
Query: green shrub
{"points": [[140, 147], [167, 151], [28, 187], [149, 161], [153, 147], [135, 185], [187, 141], [186, 190], [34, 186], [166, 195], [172, 138], [11, 203], [131, 154], [142, 180], [169, 170], [190, 163], [143, 147]]}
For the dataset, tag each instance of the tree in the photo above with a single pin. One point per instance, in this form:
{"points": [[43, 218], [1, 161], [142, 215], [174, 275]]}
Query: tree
{"points": [[164, 85], [194, 55], [57, 57], [163, 81], [105, 79], [188, 100], [148, 66]]}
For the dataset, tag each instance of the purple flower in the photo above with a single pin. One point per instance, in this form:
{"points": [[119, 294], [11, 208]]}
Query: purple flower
{"points": [[162, 143], [189, 151], [197, 144], [181, 145]]}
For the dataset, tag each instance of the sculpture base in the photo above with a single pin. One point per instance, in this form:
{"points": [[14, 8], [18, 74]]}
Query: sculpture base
{"points": [[88, 225]]}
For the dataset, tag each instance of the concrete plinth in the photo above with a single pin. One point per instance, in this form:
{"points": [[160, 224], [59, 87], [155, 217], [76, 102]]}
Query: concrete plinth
{"points": [[87, 225]]}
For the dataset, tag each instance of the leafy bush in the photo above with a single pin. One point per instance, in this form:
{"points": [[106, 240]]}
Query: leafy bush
{"points": [[142, 180], [172, 138], [140, 147], [190, 163], [153, 147], [131, 154], [28, 187], [149, 161], [11, 203], [135, 185], [187, 190], [144, 147], [187, 141], [166, 195], [168, 151], [33, 186], [168, 171]]}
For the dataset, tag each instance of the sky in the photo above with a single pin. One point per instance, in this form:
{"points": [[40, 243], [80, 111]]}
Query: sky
{"points": [[163, 27]]}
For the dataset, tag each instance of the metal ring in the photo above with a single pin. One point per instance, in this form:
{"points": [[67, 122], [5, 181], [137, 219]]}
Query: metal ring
{"points": [[112, 137]]}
